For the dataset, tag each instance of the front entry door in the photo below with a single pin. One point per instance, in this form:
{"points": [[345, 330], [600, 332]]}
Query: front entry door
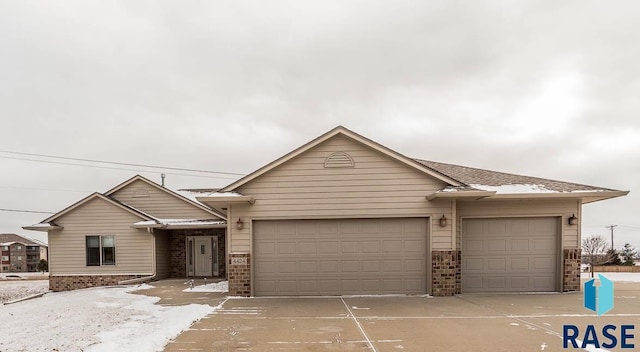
{"points": [[203, 256]]}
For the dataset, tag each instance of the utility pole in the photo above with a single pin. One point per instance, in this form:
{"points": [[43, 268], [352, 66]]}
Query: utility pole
{"points": [[611, 227]]}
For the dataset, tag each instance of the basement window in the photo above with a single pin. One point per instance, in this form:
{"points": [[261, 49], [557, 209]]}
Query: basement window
{"points": [[101, 250]]}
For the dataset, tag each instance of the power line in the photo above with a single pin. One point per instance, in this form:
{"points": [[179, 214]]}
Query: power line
{"points": [[111, 168], [27, 211], [43, 189], [121, 163]]}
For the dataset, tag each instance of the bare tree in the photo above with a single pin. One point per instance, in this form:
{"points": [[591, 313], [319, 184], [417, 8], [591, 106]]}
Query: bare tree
{"points": [[594, 251]]}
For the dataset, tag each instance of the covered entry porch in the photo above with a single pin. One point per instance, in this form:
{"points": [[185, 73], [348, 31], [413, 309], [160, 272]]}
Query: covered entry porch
{"points": [[188, 248], [198, 253]]}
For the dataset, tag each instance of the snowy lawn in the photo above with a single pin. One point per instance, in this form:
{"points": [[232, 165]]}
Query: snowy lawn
{"points": [[95, 319], [616, 277], [12, 290], [222, 286]]}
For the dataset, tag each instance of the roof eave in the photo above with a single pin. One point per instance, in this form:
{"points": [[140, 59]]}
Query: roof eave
{"points": [[42, 228], [226, 200], [586, 197], [461, 195], [180, 227]]}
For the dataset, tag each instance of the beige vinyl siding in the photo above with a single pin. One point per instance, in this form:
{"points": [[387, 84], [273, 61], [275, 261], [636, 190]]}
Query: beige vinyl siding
{"points": [[163, 254], [158, 203], [98, 217], [378, 186], [526, 208]]}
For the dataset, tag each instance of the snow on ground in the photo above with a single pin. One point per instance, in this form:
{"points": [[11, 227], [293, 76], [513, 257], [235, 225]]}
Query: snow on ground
{"points": [[95, 319], [616, 277], [12, 290], [222, 286]]}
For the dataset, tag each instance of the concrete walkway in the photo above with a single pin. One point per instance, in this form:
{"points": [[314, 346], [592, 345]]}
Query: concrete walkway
{"points": [[525, 322]]}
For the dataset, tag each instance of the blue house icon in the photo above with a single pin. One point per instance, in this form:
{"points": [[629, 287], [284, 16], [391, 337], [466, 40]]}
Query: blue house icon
{"points": [[598, 298]]}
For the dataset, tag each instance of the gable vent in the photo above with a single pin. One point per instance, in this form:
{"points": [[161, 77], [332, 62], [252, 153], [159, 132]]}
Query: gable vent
{"points": [[339, 159], [140, 193]]}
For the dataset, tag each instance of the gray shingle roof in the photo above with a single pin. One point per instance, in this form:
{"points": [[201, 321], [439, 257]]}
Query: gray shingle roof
{"points": [[12, 237], [473, 177]]}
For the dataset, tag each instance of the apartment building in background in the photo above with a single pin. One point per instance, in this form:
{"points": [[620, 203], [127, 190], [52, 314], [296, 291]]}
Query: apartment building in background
{"points": [[20, 254]]}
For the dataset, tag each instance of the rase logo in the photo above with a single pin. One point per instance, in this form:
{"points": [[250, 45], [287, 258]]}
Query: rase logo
{"points": [[599, 299]]}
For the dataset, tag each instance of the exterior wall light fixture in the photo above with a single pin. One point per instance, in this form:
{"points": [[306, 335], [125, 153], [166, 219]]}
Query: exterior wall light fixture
{"points": [[443, 221], [239, 224], [573, 220]]}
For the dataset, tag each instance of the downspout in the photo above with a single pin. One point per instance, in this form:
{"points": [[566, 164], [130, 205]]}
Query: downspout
{"points": [[153, 261]]}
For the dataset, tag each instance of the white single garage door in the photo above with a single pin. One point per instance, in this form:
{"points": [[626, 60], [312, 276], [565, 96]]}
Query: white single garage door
{"points": [[510, 255], [340, 257]]}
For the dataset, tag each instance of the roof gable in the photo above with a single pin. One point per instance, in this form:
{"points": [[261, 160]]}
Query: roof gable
{"points": [[132, 181], [92, 196], [353, 136]]}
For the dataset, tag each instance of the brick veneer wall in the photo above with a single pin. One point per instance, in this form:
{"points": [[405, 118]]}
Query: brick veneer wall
{"points": [[240, 274], [571, 259], [446, 273], [68, 283], [179, 250]]}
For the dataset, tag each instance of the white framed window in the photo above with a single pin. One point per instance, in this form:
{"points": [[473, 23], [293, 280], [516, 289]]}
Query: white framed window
{"points": [[19, 257], [5, 248], [101, 250], [5, 258]]}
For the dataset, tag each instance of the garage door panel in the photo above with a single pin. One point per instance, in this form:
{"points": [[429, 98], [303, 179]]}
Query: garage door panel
{"points": [[413, 247], [326, 266], [472, 245], [363, 256], [348, 247], [543, 264], [496, 264], [392, 246], [497, 283], [350, 266], [307, 247], [527, 263], [497, 245], [520, 245], [371, 266], [520, 282], [286, 248], [519, 264], [372, 247], [474, 264], [543, 245], [414, 266], [519, 227], [308, 267], [328, 247], [496, 227], [392, 266]]}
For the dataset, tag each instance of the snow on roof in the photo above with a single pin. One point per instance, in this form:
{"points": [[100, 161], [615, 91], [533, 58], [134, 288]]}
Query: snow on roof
{"points": [[180, 222], [514, 189], [193, 194], [525, 188], [505, 183]]}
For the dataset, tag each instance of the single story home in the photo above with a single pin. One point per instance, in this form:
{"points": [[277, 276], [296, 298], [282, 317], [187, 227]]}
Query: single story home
{"points": [[339, 215]]}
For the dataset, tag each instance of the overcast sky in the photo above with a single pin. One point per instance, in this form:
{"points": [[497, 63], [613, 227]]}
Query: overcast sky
{"points": [[547, 89]]}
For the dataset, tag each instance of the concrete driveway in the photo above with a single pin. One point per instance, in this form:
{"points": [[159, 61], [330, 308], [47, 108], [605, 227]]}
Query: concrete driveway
{"points": [[509, 322]]}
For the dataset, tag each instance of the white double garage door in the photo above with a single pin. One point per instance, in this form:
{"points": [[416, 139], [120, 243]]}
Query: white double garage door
{"points": [[390, 256]]}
